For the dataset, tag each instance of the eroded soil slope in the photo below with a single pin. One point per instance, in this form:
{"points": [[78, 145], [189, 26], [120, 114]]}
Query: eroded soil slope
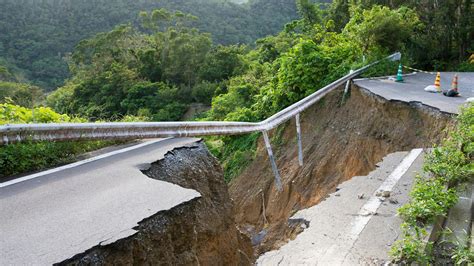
{"points": [[339, 141], [199, 232]]}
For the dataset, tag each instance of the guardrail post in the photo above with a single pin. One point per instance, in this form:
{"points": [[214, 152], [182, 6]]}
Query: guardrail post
{"points": [[298, 137], [346, 89], [348, 83], [272, 161]]}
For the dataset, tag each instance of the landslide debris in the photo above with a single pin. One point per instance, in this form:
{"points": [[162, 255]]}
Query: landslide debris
{"points": [[199, 232], [339, 141]]}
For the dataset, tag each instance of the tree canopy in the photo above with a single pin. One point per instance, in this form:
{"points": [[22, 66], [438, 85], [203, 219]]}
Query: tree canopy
{"points": [[38, 35]]}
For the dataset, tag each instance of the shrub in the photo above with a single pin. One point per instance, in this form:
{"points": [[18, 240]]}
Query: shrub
{"points": [[234, 152], [411, 248], [448, 163], [429, 199], [26, 157], [203, 92], [462, 255]]}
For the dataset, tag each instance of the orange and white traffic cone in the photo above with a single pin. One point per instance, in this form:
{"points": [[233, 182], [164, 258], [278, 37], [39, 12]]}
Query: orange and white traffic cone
{"points": [[454, 84], [438, 82], [453, 92]]}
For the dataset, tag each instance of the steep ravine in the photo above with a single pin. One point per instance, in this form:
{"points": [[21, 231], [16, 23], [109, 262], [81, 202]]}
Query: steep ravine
{"points": [[199, 232], [339, 141]]}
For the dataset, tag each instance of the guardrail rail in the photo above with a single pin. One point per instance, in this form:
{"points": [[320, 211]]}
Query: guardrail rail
{"points": [[14, 133]]}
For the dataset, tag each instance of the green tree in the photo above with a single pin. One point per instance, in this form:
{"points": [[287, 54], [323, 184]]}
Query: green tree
{"points": [[382, 30], [20, 94], [223, 62]]}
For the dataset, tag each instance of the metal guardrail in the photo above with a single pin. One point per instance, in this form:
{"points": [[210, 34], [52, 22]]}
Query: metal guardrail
{"points": [[141, 130]]}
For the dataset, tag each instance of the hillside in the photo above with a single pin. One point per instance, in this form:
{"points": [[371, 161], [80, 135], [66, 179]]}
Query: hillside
{"points": [[37, 36]]}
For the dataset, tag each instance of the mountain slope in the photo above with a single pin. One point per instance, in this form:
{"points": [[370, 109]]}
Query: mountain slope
{"points": [[37, 35]]}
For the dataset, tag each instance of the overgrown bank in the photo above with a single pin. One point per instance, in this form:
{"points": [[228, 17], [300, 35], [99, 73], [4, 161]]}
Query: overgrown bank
{"points": [[26, 157]]}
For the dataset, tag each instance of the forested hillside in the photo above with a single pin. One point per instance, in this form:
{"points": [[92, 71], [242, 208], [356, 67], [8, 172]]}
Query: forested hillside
{"points": [[36, 36]]}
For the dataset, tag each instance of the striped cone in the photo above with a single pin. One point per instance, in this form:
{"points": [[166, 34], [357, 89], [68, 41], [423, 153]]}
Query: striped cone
{"points": [[454, 84], [453, 92], [438, 82], [399, 74]]}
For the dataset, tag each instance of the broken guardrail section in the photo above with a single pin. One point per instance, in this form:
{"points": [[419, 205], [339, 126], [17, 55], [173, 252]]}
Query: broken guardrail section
{"points": [[142, 130]]}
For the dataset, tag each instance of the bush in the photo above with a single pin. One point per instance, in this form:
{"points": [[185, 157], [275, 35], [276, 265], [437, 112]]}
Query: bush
{"points": [[26, 157], [429, 199], [234, 152], [204, 92], [448, 163], [14, 114], [411, 248], [21, 94]]}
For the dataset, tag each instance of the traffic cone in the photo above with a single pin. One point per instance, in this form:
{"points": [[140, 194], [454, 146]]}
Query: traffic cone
{"points": [[453, 92], [454, 84], [399, 74], [438, 82]]}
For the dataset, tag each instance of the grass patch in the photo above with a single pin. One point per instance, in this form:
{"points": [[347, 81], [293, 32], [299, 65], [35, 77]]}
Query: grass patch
{"points": [[27, 157]]}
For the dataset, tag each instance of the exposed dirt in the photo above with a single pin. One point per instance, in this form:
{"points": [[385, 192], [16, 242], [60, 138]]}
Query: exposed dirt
{"points": [[339, 142], [199, 232]]}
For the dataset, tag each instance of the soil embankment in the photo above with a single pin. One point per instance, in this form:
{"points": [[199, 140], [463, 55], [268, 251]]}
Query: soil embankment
{"points": [[339, 141], [199, 232]]}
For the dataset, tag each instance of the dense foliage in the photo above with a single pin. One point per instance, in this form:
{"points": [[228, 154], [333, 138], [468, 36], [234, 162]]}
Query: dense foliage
{"points": [[37, 35], [284, 68], [126, 72], [20, 93], [26, 157], [442, 41], [434, 193]]}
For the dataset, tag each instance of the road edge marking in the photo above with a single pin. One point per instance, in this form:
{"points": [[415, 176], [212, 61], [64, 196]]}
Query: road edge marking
{"points": [[78, 163], [367, 211]]}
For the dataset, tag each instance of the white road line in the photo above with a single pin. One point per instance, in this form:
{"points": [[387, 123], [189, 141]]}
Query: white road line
{"points": [[337, 254], [370, 207], [68, 166]]}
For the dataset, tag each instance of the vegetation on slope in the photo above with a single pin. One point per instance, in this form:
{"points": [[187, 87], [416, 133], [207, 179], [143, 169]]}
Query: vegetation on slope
{"points": [[38, 35], [434, 193], [34, 156], [26, 157], [125, 72]]}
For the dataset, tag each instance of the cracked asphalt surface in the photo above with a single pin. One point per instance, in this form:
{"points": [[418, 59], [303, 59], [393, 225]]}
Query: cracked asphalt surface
{"points": [[53, 217], [412, 89]]}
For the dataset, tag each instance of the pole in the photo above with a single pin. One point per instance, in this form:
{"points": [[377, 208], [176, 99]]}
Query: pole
{"points": [[298, 137], [272, 161]]}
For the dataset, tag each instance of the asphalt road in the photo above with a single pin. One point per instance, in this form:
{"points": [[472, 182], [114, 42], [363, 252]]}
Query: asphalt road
{"points": [[412, 90], [355, 225], [50, 217]]}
